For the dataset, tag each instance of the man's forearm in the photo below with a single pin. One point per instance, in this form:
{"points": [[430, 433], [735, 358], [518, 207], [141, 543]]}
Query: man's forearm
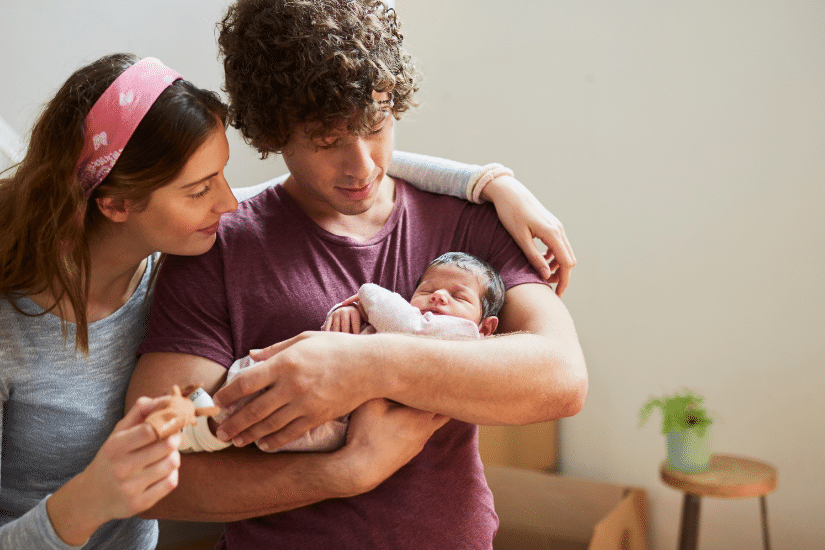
{"points": [[236, 484], [514, 379]]}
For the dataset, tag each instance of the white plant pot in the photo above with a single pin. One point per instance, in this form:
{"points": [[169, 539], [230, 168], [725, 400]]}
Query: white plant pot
{"points": [[687, 451]]}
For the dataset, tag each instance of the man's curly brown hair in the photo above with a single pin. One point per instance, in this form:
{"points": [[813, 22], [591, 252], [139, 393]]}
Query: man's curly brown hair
{"points": [[290, 62]]}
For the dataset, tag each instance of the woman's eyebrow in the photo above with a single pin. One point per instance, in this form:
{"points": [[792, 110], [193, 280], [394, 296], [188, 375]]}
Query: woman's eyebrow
{"points": [[203, 179]]}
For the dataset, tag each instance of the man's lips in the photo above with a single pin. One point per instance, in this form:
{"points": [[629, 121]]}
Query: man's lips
{"points": [[356, 193]]}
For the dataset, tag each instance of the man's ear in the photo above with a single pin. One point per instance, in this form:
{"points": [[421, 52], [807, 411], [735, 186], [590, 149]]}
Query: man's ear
{"points": [[488, 325], [114, 209]]}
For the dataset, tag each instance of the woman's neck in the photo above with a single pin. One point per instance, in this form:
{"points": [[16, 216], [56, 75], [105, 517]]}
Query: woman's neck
{"points": [[116, 272]]}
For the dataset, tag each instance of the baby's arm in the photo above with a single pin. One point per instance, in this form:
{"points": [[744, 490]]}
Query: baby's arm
{"points": [[344, 318], [388, 311]]}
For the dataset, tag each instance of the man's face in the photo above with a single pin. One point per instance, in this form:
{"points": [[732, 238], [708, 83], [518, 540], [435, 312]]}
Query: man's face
{"points": [[340, 173]]}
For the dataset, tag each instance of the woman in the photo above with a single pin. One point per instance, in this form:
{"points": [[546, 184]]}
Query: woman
{"points": [[126, 161]]}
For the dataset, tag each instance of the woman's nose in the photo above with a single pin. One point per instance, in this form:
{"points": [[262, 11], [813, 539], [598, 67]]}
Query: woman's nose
{"points": [[226, 201]]}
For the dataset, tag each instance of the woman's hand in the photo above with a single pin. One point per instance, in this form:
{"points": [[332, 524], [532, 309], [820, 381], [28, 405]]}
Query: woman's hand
{"points": [[525, 218], [131, 472]]}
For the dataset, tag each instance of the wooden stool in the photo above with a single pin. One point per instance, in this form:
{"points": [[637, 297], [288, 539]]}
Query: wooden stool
{"points": [[727, 477]]}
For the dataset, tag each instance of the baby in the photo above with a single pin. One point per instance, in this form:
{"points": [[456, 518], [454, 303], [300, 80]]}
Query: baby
{"points": [[457, 298]]}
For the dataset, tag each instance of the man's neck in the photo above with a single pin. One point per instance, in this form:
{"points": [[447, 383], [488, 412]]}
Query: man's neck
{"points": [[360, 227]]}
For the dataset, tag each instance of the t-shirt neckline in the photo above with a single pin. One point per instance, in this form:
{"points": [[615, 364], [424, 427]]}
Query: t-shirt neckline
{"points": [[341, 240]]}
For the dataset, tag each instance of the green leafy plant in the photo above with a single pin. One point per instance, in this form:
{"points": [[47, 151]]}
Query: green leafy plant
{"points": [[680, 412]]}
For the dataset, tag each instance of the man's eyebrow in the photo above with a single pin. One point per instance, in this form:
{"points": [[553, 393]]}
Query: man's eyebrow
{"points": [[388, 102]]}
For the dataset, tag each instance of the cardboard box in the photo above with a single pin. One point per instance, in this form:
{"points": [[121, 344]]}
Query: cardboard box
{"points": [[530, 446], [541, 511]]}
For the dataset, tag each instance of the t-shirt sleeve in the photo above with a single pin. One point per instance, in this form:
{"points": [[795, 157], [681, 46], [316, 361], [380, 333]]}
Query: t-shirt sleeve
{"points": [[190, 313], [492, 242]]}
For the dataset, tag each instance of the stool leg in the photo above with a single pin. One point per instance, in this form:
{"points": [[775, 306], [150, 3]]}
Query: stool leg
{"points": [[690, 522], [765, 538]]}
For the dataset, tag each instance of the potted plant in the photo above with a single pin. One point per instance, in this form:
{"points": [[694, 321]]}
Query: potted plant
{"points": [[685, 423]]}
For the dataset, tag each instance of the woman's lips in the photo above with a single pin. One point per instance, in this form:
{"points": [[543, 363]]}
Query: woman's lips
{"points": [[212, 229]]}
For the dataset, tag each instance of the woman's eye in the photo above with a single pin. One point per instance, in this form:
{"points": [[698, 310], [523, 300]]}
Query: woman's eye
{"points": [[201, 193]]}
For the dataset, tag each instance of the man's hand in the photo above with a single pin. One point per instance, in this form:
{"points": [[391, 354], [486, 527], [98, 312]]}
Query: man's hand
{"points": [[382, 437], [307, 380], [525, 218]]}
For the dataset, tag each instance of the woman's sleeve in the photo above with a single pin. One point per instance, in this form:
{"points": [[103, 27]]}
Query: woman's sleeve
{"points": [[34, 528], [443, 176]]}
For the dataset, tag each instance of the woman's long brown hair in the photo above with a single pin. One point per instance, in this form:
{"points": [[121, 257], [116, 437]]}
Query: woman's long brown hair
{"points": [[45, 218]]}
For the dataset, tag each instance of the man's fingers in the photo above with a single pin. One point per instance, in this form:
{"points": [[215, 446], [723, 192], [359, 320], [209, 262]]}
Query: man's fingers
{"points": [[264, 413], [273, 425], [247, 382], [288, 433], [269, 351]]}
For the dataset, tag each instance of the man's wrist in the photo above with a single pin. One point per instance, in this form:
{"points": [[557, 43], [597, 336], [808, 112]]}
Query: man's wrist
{"points": [[382, 375], [346, 473]]}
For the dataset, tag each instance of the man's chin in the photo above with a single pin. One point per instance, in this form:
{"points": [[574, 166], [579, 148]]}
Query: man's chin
{"points": [[355, 209]]}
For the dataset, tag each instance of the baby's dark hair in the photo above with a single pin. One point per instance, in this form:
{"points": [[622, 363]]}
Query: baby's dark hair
{"points": [[492, 296]]}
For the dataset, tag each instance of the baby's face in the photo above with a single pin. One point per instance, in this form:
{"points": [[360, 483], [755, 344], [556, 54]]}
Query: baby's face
{"points": [[449, 290]]}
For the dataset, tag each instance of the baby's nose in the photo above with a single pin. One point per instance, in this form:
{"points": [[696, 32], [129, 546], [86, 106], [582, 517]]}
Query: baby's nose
{"points": [[440, 295]]}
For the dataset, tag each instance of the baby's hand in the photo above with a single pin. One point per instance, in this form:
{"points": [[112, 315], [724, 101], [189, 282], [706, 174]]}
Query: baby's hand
{"points": [[344, 319]]}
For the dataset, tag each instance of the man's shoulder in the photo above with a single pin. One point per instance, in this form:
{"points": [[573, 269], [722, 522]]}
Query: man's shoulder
{"points": [[433, 204], [263, 205]]}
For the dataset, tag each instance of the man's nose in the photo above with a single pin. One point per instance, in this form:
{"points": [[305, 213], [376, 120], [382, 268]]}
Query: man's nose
{"points": [[359, 163]]}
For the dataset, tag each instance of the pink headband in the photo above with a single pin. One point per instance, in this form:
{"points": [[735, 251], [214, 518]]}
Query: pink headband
{"points": [[114, 117]]}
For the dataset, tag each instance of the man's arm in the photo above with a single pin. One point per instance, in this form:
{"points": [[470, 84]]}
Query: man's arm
{"points": [[238, 483], [534, 373]]}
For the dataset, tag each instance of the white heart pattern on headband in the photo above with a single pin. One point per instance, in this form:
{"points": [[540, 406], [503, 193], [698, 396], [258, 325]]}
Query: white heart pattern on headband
{"points": [[127, 98], [100, 140], [169, 78]]}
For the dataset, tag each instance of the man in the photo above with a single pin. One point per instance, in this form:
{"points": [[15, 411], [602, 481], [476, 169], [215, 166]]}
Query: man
{"points": [[321, 82]]}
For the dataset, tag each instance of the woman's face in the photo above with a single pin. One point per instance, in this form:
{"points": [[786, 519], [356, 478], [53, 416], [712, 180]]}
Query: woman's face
{"points": [[182, 217]]}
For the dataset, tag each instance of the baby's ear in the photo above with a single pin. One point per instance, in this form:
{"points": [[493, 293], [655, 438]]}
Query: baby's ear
{"points": [[488, 325]]}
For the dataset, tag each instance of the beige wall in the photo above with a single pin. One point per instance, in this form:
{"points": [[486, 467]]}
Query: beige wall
{"points": [[683, 146]]}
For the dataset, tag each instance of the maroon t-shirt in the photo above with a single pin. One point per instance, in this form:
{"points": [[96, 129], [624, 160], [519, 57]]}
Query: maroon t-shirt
{"points": [[274, 273]]}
